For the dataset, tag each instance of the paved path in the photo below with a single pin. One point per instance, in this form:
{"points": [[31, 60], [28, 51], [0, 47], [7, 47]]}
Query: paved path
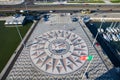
{"points": [[12, 2], [39, 3], [92, 15], [25, 70], [107, 1]]}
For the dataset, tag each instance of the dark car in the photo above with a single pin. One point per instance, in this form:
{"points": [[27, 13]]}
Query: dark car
{"points": [[74, 19]]}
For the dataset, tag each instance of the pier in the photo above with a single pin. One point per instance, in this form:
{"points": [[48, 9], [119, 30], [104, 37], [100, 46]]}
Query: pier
{"points": [[95, 19]]}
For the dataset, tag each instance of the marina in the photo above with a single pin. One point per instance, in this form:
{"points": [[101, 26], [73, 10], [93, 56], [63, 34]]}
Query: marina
{"points": [[108, 37]]}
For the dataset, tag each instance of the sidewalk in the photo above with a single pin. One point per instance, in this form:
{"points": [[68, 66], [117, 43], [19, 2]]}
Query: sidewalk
{"points": [[107, 1], [62, 3], [12, 2]]}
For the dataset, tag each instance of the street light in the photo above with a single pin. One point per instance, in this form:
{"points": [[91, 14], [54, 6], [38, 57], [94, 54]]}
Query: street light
{"points": [[92, 45], [87, 68], [26, 7], [98, 32], [18, 30]]}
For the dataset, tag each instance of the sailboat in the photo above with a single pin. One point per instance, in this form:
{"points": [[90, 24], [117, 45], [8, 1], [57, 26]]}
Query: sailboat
{"points": [[114, 37], [118, 36], [109, 36], [100, 30], [105, 37], [108, 30], [115, 30]]}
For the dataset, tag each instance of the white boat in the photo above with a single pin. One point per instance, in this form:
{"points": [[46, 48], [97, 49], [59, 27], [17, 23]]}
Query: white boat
{"points": [[100, 30], [117, 35], [109, 36], [118, 29], [105, 37], [114, 37], [112, 30], [108, 30], [115, 30]]}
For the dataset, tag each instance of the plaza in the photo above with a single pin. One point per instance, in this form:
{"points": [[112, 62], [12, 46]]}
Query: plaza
{"points": [[53, 53]]}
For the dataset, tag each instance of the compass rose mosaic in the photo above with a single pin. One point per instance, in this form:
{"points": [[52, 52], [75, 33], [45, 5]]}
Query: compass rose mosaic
{"points": [[58, 52]]}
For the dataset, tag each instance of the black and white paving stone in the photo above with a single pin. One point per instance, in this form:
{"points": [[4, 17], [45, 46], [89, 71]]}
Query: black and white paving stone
{"points": [[53, 52], [58, 52]]}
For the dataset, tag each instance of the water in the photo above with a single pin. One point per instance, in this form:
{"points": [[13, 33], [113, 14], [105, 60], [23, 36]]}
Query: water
{"points": [[111, 47], [116, 44]]}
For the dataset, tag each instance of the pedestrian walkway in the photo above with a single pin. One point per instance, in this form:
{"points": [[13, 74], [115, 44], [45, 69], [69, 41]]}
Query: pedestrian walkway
{"points": [[64, 2], [25, 69], [11, 2], [107, 1]]}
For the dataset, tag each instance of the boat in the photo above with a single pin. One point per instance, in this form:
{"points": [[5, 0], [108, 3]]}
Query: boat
{"points": [[100, 30], [118, 29], [114, 37], [105, 37], [108, 30], [112, 30], [115, 30], [118, 36], [109, 36]]}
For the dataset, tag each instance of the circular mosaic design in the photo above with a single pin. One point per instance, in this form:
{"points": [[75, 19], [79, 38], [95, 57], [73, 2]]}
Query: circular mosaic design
{"points": [[58, 52], [59, 47]]}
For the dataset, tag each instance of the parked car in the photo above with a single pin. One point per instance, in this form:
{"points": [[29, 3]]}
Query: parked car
{"points": [[75, 19]]}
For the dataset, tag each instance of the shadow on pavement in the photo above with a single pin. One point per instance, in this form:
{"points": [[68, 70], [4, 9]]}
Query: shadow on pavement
{"points": [[109, 75]]}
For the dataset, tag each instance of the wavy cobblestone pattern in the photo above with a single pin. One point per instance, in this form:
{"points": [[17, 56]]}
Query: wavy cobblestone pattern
{"points": [[26, 66]]}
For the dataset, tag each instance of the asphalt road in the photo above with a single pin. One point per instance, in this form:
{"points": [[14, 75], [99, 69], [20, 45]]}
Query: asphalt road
{"points": [[28, 4]]}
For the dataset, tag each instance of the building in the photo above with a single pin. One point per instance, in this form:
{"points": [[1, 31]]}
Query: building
{"points": [[11, 21]]}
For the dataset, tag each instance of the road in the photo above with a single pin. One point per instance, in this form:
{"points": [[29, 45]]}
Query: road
{"points": [[32, 7]]}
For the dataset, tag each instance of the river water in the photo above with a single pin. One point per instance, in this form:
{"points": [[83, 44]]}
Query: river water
{"points": [[111, 47]]}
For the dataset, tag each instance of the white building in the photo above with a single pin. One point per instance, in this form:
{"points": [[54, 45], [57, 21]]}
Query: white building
{"points": [[11, 21]]}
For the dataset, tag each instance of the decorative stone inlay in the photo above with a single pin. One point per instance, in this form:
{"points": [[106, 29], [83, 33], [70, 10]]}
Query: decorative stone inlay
{"points": [[58, 52]]}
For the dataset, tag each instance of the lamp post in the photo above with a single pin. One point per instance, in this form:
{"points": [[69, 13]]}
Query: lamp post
{"points": [[87, 68], [92, 45], [18, 30], [26, 7], [98, 32]]}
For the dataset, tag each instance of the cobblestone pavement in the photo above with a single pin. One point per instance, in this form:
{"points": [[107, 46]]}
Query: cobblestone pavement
{"points": [[26, 68]]}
